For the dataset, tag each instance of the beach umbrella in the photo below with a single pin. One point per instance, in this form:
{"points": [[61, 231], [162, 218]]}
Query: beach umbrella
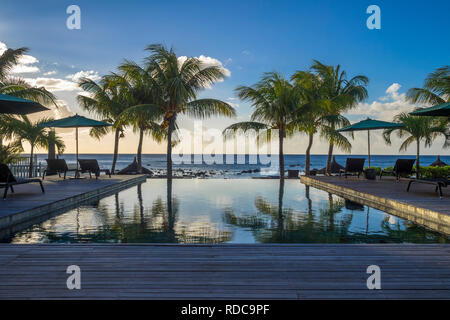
{"points": [[14, 105], [442, 110], [334, 167], [370, 124], [76, 122], [438, 163]]}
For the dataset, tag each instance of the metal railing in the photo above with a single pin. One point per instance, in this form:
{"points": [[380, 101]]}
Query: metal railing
{"points": [[20, 167]]}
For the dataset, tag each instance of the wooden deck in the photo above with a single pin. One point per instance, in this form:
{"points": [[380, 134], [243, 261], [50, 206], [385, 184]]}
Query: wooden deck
{"points": [[421, 204], [225, 271], [28, 202]]}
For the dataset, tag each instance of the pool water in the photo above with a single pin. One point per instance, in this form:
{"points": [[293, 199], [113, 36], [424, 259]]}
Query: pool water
{"points": [[225, 211]]}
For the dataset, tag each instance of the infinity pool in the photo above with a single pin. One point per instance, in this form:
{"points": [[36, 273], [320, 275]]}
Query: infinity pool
{"points": [[225, 211]]}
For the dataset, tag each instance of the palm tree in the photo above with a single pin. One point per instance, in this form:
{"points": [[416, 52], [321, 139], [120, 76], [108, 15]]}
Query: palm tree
{"points": [[107, 99], [22, 129], [53, 141], [141, 88], [343, 95], [274, 100], [436, 88], [143, 122], [417, 129], [15, 86], [177, 82], [310, 114]]}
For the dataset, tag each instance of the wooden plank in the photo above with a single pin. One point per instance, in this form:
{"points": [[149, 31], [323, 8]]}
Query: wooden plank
{"points": [[224, 271]]}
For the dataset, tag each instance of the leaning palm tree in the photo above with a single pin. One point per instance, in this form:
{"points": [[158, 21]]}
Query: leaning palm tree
{"points": [[315, 106], [21, 130], [143, 122], [177, 83], [107, 99], [141, 91], [417, 129], [343, 95], [436, 88], [274, 100]]}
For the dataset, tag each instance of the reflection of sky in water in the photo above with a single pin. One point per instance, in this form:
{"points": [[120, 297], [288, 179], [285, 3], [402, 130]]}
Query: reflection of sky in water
{"points": [[221, 210]]}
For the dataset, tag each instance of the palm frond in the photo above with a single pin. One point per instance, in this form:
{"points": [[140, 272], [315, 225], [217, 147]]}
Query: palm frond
{"points": [[206, 108]]}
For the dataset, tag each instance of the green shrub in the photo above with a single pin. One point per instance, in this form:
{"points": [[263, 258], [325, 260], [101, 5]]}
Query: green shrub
{"points": [[9, 153], [434, 172], [425, 172]]}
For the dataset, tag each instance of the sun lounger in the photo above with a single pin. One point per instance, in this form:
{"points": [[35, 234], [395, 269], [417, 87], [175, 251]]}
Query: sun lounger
{"points": [[57, 166], [7, 180], [401, 167], [353, 166], [91, 166], [438, 183]]}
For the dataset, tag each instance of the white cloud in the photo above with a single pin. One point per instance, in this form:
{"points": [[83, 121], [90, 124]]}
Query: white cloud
{"points": [[53, 84], [62, 111], [231, 102], [3, 47], [386, 107], [27, 59], [20, 68], [207, 62], [91, 74], [228, 61], [25, 63], [393, 89]]}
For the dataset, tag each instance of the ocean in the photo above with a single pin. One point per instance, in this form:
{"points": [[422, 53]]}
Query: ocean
{"points": [[158, 162]]}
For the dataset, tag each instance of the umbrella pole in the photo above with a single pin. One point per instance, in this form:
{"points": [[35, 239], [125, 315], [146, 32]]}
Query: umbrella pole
{"points": [[76, 137], [368, 144]]}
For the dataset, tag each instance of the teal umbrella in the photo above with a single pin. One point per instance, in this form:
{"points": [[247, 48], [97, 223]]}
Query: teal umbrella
{"points": [[442, 110], [14, 105], [370, 124], [76, 122]]}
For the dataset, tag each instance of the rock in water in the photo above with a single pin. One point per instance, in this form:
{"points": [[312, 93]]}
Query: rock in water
{"points": [[133, 169]]}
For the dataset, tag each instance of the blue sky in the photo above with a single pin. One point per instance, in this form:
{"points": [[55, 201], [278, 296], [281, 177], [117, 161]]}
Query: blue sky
{"points": [[247, 37]]}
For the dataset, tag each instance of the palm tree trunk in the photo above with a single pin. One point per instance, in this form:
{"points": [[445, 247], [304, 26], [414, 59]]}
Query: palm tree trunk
{"points": [[330, 154], [169, 148], [308, 154], [30, 172], [51, 151], [51, 145], [418, 159], [116, 149], [139, 150], [281, 153]]}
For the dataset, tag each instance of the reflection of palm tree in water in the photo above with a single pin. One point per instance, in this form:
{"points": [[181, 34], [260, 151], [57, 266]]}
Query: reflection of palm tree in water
{"points": [[280, 208], [171, 214], [291, 225]]}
